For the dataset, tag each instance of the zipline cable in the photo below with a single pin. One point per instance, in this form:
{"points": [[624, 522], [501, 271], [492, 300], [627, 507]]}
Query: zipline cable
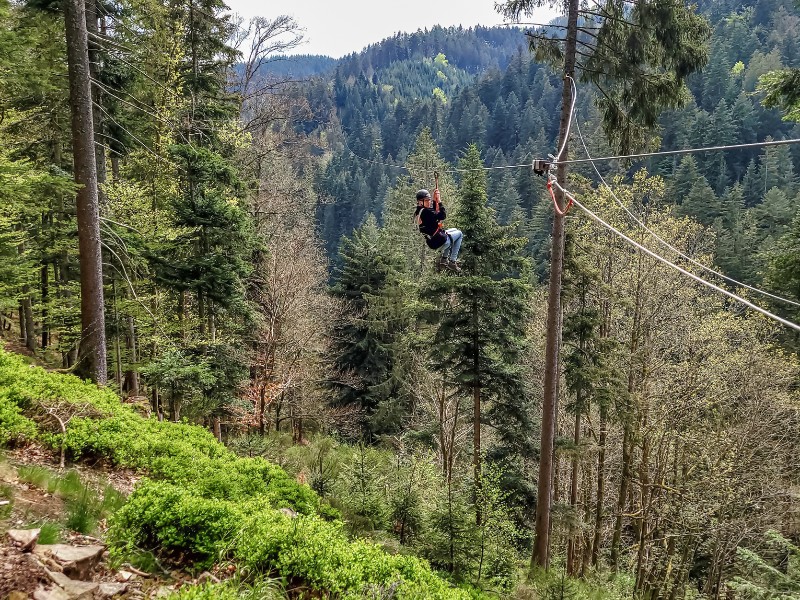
{"points": [[684, 151], [600, 158], [678, 268], [660, 239]]}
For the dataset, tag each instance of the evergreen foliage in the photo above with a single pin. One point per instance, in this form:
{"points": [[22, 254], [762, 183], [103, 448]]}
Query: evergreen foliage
{"points": [[224, 215], [762, 578], [480, 321], [365, 343]]}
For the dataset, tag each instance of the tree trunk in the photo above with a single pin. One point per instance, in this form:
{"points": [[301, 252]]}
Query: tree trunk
{"points": [[21, 316], [476, 411], [646, 491], [157, 408], [588, 535], [93, 329], [30, 327], [262, 408], [601, 485], [572, 561], [627, 458], [627, 419], [217, 428], [92, 17], [541, 548], [45, 278], [131, 375]]}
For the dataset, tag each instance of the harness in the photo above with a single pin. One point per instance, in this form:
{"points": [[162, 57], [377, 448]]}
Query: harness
{"points": [[429, 237]]}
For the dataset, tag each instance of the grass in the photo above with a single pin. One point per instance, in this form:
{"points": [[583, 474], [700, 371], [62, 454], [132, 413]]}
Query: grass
{"points": [[42, 478], [50, 532], [6, 493], [85, 503]]}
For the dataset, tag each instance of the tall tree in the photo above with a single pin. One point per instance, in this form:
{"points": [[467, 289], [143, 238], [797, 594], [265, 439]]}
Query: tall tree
{"points": [[362, 351], [638, 59], [481, 319], [93, 326]]}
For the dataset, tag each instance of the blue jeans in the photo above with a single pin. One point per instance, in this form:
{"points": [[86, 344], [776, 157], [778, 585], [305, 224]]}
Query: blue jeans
{"points": [[456, 236]]}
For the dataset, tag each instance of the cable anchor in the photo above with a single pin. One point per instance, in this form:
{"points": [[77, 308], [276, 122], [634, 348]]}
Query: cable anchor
{"points": [[540, 166]]}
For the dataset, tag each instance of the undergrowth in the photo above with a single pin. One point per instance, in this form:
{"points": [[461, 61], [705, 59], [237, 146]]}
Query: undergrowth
{"points": [[201, 503], [86, 503]]}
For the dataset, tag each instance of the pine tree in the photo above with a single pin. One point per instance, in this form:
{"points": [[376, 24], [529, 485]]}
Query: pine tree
{"points": [[403, 237], [480, 327], [701, 203], [684, 179], [367, 339], [752, 185], [774, 577]]}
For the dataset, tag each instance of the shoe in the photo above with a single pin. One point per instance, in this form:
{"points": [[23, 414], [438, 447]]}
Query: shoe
{"points": [[454, 266], [441, 263]]}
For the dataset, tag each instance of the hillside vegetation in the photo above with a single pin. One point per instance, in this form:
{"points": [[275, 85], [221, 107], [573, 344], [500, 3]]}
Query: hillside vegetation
{"points": [[202, 503], [311, 398]]}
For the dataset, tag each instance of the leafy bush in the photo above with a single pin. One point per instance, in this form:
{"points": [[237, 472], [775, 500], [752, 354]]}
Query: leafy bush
{"points": [[14, 427], [177, 452], [167, 517], [261, 589], [202, 502], [321, 555]]}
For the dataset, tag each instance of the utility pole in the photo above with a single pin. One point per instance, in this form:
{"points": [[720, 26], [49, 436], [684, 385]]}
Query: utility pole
{"points": [[541, 547], [92, 348]]}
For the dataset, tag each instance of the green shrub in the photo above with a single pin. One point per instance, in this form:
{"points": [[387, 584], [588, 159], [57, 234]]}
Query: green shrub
{"points": [[202, 502], [261, 589], [164, 516], [14, 427], [207, 591], [319, 554]]}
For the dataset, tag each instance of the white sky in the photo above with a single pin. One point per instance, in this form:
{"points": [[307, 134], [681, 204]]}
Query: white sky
{"points": [[338, 27]]}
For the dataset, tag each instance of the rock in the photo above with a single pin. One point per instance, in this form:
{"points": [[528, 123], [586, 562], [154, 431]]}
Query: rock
{"points": [[109, 590], [16, 595], [55, 594], [80, 590], [289, 512], [206, 576], [77, 562], [124, 576], [25, 539], [58, 578]]}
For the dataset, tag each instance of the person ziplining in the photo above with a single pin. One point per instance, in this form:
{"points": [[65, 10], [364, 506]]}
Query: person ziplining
{"points": [[428, 216]]}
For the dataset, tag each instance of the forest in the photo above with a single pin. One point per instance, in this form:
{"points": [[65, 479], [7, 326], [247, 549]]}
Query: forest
{"points": [[210, 276]]}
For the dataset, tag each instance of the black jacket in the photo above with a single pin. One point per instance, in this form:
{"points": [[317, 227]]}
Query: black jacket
{"points": [[428, 220]]}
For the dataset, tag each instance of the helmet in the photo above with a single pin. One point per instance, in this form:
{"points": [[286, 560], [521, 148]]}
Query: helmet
{"points": [[422, 194]]}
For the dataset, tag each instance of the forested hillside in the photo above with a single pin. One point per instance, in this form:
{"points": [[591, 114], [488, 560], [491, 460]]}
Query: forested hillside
{"points": [[259, 277]]}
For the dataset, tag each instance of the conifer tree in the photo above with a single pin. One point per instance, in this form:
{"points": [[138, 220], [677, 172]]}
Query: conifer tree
{"points": [[367, 337], [701, 203], [775, 577], [480, 333]]}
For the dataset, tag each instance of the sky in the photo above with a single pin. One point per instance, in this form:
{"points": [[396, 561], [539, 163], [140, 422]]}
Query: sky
{"points": [[338, 27]]}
